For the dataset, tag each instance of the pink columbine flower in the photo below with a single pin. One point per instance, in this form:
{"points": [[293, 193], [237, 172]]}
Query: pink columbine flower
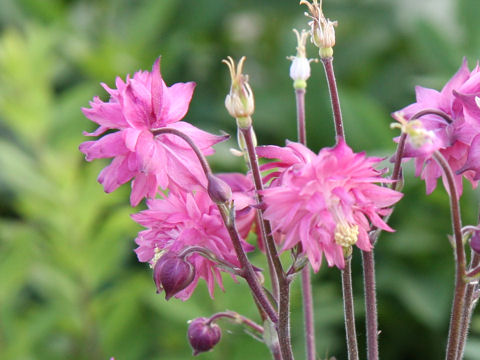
{"points": [[326, 202], [458, 141], [183, 220], [136, 107]]}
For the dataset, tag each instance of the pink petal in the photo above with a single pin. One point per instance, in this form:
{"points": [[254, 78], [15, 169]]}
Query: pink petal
{"points": [[108, 146], [175, 102], [473, 159], [157, 89]]}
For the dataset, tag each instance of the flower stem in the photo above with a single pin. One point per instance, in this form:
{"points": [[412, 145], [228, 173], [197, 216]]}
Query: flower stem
{"points": [[283, 326], [468, 307], [308, 314], [332, 87], [240, 319], [370, 304], [229, 221], [249, 273], [278, 275], [301, 129], [460, 285], [349, 311]]}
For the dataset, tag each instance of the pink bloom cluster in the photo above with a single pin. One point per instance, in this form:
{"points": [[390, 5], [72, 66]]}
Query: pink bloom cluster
{"points": [[136, 107], [327, 201], [183, 220], [458, 141]]}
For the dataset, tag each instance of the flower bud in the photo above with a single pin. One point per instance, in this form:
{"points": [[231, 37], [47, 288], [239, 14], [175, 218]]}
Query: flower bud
{"points": [[202, 335], [239, 102], [172, 274], [300, 68], [475, 242], [218, 190]]}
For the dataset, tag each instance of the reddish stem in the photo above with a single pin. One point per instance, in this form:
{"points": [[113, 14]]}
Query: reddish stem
{"points": [[332, 87], [460, 285]]}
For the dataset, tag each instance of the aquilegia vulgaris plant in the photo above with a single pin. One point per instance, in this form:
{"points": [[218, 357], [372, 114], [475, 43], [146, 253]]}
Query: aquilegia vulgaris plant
{"points": [[310, 204]]}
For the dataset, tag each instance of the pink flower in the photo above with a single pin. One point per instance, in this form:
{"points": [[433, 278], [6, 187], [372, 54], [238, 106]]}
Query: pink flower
{"points": [[182, 220], [326, 202], [136, 107], [458, 141]]}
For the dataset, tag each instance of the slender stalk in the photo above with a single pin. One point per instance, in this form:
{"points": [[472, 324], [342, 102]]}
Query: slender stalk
{"points": [[238, 319], [468, 308], [278, 274], [308, 313], [301, 129], [437, 112], [370, 304], [460, 285], [368, 262], [249, 273], [349, 312], [229, 221], [332, 87], [283, 326]]}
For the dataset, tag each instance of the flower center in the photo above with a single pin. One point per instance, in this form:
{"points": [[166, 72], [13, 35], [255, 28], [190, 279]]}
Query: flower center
{"points": [[417, 134], [345, 234]]}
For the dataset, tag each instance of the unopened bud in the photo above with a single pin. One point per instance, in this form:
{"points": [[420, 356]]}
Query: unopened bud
{"points": [[475, 242], [239, 101], [218, 190], [300, 68], [172, 274], [203, 335]]}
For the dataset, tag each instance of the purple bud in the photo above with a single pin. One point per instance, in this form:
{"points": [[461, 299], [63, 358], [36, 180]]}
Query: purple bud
{"points": [[172, 274], [218, 190], [475, 242], [203, 336]]}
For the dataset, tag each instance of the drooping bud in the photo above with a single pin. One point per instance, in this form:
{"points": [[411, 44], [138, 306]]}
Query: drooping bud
{"points": [[172, 274], [321, 28], [475, 242], [300, 68], [218, 190], [239, 102], [203, 335]]}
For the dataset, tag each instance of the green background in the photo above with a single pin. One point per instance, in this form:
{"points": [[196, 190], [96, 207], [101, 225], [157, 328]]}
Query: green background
{"points": [[70, 284]]}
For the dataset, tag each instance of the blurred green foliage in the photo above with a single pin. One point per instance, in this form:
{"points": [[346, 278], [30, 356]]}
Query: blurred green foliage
{"points": [[70, 284]]}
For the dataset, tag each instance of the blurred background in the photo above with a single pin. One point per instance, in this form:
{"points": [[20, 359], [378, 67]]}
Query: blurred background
{"points": [[70, 283]]}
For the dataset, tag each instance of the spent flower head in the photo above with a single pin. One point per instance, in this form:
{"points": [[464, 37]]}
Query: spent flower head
{"points": [[321, 29], [239, 101]]}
